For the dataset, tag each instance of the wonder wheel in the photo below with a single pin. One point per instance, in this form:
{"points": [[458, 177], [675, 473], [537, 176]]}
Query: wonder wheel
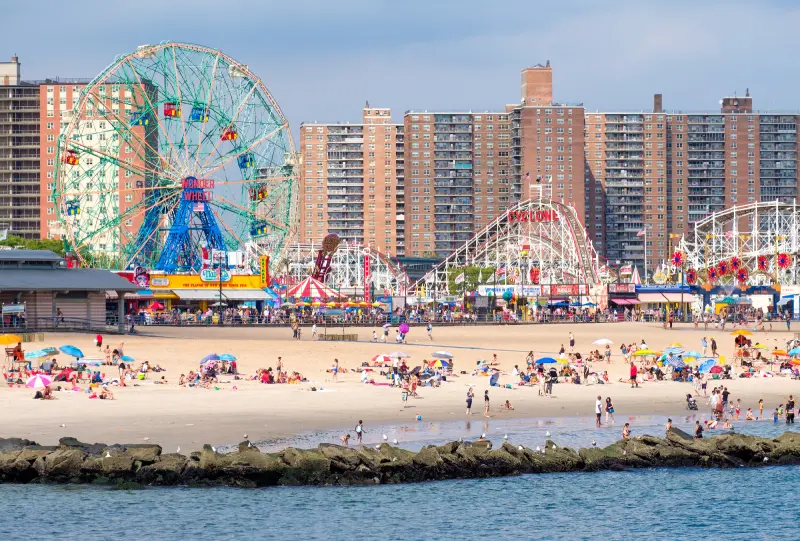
{"points": [[176, 154]]}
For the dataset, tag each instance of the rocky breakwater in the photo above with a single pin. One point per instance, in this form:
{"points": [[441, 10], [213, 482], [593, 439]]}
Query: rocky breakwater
{"points": [[131, 466]]}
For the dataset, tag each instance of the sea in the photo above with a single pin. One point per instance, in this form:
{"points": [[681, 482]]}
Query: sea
{"points": [[743, 503]]}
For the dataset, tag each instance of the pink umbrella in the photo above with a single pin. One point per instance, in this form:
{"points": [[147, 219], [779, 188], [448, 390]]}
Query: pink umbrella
{"points": [[39, 381], [210, 364], [404, 328]]}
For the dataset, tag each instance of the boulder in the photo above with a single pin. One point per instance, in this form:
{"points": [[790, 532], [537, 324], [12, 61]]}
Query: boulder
{"points": [[60, 466], [146, 453], [14, 444], [167, 470]]}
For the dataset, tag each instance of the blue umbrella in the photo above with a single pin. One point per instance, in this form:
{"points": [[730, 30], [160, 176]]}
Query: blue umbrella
{"points": [[493, 379], [676, 362], [706, 365], [212, 357], [546, 360], [794, 351], [41, 353], [694, 354], [127, 358], [227, 357], [72, 351]]}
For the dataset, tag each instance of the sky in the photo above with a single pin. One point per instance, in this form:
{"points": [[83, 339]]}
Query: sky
{"points": [[322, 60]]}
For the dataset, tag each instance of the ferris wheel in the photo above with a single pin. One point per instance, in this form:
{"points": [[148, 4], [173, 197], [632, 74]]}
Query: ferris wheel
{"points": [[174, 154]]}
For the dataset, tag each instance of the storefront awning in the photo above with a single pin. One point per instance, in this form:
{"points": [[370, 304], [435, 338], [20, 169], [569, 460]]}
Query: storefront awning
{"points": [[227, 295], [665, 297], [619, 301]]}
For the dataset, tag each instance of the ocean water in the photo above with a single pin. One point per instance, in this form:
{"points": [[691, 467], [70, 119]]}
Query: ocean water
{"points": [[646, 504]]}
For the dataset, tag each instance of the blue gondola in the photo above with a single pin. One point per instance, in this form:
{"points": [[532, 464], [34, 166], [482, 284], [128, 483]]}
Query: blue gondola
{"points": [[258, 229], [198, 114], [140, 119], [245, 160]]}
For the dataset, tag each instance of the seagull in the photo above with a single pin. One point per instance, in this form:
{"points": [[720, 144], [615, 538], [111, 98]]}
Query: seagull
{"points": [[214, 449], [624, 452], [145, 439], [385, 437], [460, 440], [63, 425], [394, 441], [245, 436], [520, 448], [108, 455], [377, 447], [179, 450], [554, 446], [538, 449], [766, 459], [594, 443], [483, 435], [547, 433], [505, 437]]}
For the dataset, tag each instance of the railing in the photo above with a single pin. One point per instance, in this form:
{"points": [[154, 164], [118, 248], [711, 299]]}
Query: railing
{"points": [[56, 324]]}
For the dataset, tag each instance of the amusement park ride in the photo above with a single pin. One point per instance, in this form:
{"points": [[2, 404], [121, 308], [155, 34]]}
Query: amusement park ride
{"points": [[173, 150]]}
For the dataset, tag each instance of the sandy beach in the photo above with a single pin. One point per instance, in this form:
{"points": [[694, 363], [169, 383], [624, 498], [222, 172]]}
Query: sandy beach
{"points": [[176, 416]]}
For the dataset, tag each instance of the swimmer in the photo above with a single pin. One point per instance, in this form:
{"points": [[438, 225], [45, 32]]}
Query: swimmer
{"points": [[668, 426], [749, 415], [626, 431]]}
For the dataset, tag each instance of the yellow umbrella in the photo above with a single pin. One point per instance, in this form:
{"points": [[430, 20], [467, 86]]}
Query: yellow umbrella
{"points": [[303, 304], [316, 303], [643, 352], [761, 346], [331, 304], [8, 339], [676, 345], [741, 332], [363, 303], [722, 359], [376, 304]]}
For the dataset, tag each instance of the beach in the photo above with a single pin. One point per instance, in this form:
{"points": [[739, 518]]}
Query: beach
{"points": [[175, 416]]}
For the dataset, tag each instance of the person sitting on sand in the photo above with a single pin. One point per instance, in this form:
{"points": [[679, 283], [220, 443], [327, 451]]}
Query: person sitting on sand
{"points": [[182, 381], [626, 431], [105, 394], [749, 415], [508, 406]]}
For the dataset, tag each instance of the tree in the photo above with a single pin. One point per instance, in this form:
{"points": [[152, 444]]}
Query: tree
{"points": [[472, 278], [56, 246]]}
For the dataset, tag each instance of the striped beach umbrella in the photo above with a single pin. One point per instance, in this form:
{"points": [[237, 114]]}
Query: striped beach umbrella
{"points": [[310, 287], [39, 381]]}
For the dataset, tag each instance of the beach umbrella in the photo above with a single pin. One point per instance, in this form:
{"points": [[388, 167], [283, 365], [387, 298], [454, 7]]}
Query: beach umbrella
{"points": [[493, 379], [64, 374], [127, 359], [676, 362], [386, 325], [439, 363], [443, 355], [37, 354], [331, 304], [741, 332], [303, 304], [404, 328], [72, 351], [693, 353], [643, 352], [287, 305], [39, 381], [795, 362], [316, 303], [716, 370], [382, 359], [156, 306], [416, 370], [8, 339], [674, 350], [779, 352], [676, 345], [706, 365], [794, 351], [761, 347], [399, 355], [546, 360], [212, 357], [227, 357], [210, 364], [603, 342], [377, 304]]}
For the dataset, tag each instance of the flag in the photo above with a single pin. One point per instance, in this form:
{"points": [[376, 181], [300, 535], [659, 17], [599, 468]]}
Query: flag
{"points": [[198, 207], [728, 234], [3, 234], [480, 276], [460, 279], [641, 233], [500, 272]]}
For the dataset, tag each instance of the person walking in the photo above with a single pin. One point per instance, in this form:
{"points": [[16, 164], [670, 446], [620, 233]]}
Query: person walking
{"points": [[598, 411], [790, 410], [704, 343], [633, 372], [713, 347], [486, 403], [609, 410], [470, 396], [335, 371], [571, 342], [360, 431], [430, 331], [698, 430], [314, 331]]}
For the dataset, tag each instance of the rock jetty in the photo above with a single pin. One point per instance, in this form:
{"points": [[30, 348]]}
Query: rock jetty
{"points": [[133, 466]]}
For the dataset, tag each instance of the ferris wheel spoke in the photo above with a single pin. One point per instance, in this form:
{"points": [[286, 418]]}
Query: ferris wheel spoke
{"points": [[202, 135], [116, 118], [252, 145], [180, 100], [129, 214], [154, 110], [152, 234], [228, 205], [127, 166], [229, 230], [231, 123]]}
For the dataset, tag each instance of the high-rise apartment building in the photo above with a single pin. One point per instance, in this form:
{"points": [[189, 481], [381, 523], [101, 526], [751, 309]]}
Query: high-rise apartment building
{"points": [[349, 181], [19, 153]]}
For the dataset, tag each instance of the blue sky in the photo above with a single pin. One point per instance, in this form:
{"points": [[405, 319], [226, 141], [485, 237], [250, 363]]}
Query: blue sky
{"points": [[323, 59]]}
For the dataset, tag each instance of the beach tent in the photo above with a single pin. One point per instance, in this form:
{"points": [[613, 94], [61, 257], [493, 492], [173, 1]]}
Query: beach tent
{"points": [[493, 379], [311, 287]]}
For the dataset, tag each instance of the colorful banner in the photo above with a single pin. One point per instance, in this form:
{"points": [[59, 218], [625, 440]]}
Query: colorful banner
{"points": [[622, 288], [186, 281], [263, 267], [366, 277]]}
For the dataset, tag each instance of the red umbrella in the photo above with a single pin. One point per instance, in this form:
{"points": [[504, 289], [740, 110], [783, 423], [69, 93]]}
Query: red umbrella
{"points": [[313, 288], [65, 374], [156, 306], [716, 370]]}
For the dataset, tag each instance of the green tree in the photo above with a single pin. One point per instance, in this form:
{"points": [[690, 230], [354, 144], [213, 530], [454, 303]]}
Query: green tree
{"points": [[473, 277], [56, 246]]}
